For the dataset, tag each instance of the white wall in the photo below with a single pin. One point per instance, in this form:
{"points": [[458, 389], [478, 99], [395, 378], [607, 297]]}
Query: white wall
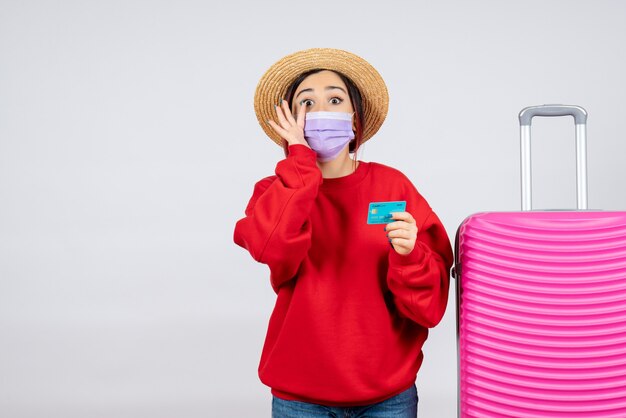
{"points": [[129, 148]]}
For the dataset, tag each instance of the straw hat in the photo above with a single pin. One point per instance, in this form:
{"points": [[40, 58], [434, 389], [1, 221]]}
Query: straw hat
{"points": [[274, 83]]}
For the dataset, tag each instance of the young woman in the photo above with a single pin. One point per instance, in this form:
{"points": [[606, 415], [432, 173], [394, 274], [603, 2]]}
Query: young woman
{"points": [[354, 299]]}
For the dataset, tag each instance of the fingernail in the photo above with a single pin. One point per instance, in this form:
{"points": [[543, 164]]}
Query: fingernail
{"points": [[281, 100], [385, 228]]}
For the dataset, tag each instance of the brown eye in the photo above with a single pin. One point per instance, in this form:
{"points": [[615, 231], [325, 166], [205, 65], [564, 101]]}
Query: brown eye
{"points": [[339, 100], [302, 102]]}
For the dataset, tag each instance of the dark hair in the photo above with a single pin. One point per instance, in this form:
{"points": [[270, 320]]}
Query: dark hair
{"points": [[355, 98]]}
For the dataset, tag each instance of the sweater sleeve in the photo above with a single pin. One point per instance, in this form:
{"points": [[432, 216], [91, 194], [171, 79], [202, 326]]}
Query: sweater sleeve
{"points": [[420, 280], [276, 229]]}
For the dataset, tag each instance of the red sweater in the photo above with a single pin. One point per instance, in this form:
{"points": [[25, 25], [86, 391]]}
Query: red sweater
{"points": [[351, 314]]}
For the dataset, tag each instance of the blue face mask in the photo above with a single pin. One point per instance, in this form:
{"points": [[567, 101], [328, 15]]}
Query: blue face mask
{"points": [[327, 133]]}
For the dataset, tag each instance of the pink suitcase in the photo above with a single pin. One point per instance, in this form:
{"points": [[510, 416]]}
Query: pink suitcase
{"points": [[541, 303]]}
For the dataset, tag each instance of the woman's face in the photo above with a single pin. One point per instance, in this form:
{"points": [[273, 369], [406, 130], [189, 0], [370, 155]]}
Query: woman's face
{"points": [[322, 91]]}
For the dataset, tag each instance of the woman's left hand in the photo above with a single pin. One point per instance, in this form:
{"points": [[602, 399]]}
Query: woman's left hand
{"points": [[402, 232]]}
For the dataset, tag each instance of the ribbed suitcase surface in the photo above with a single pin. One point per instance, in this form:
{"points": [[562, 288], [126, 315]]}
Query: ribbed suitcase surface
{"points": [[542, 314]]}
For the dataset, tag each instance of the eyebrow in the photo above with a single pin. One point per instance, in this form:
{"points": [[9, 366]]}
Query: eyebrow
{"points": [[327, 88]]}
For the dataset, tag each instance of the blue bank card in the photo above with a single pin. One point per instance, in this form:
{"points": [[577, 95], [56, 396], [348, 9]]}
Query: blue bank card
{"points": [[380, 212]]}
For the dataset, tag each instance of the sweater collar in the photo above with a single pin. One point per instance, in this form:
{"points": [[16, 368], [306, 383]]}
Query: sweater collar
{"points": [[346, 181]]}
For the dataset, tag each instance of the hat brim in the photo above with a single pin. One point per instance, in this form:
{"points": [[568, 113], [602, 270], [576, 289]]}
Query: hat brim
{"points": [[274, 83]]}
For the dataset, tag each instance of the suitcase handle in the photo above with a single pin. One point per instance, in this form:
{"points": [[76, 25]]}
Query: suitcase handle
{"points": [[527, 114], [580, 119]]}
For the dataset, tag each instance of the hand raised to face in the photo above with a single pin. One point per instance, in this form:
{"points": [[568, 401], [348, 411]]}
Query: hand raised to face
{"points": [[289, 129]]}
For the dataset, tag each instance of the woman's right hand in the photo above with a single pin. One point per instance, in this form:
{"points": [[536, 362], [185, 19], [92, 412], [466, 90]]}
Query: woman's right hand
{"points": [[290, 129]]}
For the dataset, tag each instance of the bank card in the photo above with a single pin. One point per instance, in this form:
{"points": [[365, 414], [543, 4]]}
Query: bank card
{"points": [[380, 212]]}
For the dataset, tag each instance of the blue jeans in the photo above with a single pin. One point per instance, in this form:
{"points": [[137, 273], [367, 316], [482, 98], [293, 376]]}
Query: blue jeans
{"points": [[403, 405]]}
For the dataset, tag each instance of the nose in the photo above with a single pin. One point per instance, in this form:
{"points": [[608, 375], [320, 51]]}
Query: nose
{"points": [[321, 107]]}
